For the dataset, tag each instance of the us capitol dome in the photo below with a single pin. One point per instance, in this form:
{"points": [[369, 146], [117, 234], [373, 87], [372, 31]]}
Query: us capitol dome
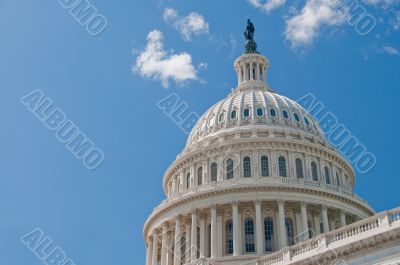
{"points": [[258, 183]]}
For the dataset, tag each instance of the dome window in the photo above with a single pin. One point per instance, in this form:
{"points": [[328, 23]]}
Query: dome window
{"points": [[233, 114], [306, 121], [246, 113], [221, 117], [272, 112], [285, 114], [296, 117], [260, 112]]}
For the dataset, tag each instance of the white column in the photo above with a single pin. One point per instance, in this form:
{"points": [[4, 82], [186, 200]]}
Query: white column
{"points": [[202, 238], [213, 231], [342, 218], [194, 236], [325, 221], [282, 227], [259, 234], [187, 244], [164, 245], [177, 248], [258, 71], [219, 236], [304, 220], [155, 249], [251, 71], [244, 73], [149, 250], [236, 229]]}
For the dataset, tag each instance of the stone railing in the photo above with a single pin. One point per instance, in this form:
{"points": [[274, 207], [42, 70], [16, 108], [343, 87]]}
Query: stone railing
{"points": [[263, 181], [369, 227]]}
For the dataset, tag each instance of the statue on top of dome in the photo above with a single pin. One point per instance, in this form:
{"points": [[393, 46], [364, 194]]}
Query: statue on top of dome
{"points": [[251, 46], [249, 33]]}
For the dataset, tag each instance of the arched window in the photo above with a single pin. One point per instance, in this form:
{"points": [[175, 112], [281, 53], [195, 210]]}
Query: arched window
{"points": [[214, 171], [327, 176], [200, 176], [269, 234], [233, 114], [260, 112], [246, 167], [337, 179], [272, 112], [314, 172], [183, 247], [299, 168], [198, 242], [229, 169], [282, 166], [229, 237], [188, 181], [209, 241], [285, 114], [310, 230], [289, 231], [264, 166], [221, 117], [246, 113], [249, 235]]}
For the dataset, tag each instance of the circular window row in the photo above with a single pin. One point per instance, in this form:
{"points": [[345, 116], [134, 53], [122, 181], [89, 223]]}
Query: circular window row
{"points": [[260, 112]]}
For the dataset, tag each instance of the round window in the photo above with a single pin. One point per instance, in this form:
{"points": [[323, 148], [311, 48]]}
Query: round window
{"points": [[285, 114], [296, 117]]}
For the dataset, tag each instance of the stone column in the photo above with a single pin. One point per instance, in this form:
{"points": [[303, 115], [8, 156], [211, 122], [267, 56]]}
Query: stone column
{"points": [[257, 71], [304, 220], [213, 231], [202, 238], [259, 234], [342, 218], [155, 249], [236, 230], [187, 244], [149, 258], [177, 248], [282, 227], [251, 71], [194, 236], [244, 73], [325, 221], [164, 245], [219, 236]]}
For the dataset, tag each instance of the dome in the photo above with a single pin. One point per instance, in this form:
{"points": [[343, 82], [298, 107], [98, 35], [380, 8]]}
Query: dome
{"points": [[255, 106], [257, 175]]}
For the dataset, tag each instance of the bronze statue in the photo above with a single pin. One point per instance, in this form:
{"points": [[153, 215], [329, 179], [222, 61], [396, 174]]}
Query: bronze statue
{"points": [[249, 33]]}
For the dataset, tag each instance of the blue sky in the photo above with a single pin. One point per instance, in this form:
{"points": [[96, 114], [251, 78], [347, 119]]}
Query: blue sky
{"points": [[109, 84]]}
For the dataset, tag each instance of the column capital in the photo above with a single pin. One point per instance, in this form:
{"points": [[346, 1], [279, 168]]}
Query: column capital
{"points": [[150, 238], [235, 203], [194, 211], [281, 202], [257, 202], [303, 204], [213, 207]]}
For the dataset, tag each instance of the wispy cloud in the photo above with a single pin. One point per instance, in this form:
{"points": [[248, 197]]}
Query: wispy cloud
{"points": [[381, 3], [191, 25], [267, 5], [390, 50], [303, 27], [156, 63]]}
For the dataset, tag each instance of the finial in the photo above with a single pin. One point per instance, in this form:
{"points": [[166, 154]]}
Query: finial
{"points": [[251, 46]]}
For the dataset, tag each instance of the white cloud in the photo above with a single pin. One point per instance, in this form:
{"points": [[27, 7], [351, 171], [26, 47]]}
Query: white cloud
{"points": [[381, 3], [390, 50], [267, 5], [192, 24], [156, 63], [303, 28]]}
